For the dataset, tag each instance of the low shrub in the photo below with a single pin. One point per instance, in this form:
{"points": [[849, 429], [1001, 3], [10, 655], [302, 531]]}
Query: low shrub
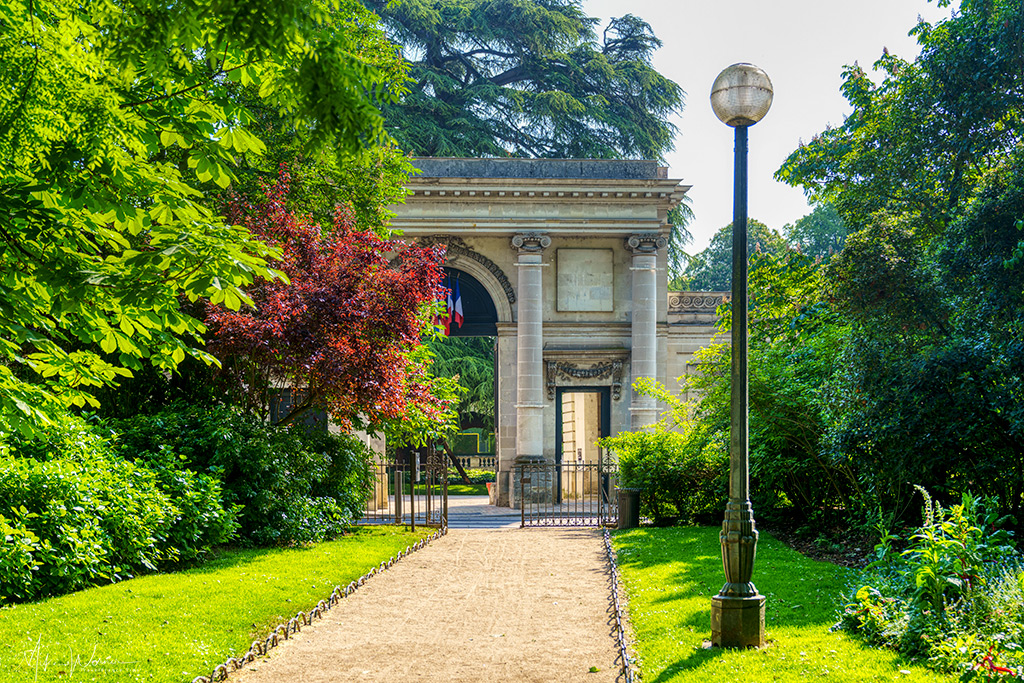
{"points": [[679, 474], [954, 596], [475, 476], [290, 484], [94, 519], [204, 520], [76, 514]]}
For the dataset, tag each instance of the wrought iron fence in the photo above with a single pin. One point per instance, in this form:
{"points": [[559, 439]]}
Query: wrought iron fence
{"points": [[413, 492], [567, 494]]}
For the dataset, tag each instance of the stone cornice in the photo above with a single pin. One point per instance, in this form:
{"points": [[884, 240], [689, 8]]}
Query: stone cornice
{"points": [[543, 189], [695, 302]]}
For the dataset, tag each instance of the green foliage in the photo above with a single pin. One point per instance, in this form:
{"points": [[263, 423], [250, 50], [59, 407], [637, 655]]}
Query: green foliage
{"points": [[469, 360], [679, 217], [820, 234], [681, 475], [527, 78], [795, 338], [475, 477], [79, 515], [919, 142], [292, 485], [928, 387], [955, 596], [711, 269], [120, 121]]}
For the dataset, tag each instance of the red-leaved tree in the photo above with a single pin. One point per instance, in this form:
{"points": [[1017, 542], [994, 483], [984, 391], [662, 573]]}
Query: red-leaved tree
{"points": [[339, 332]]}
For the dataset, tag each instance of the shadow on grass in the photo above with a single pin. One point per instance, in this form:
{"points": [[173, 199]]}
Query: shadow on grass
{"points": [[677, 571]]}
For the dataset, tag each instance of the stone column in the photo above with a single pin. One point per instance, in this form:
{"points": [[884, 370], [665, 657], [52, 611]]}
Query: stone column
{"points": [[644, 354], [529, 350]]}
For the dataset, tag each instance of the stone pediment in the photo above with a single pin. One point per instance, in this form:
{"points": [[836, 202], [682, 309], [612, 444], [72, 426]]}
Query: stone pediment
{"points": [[585, 366]]}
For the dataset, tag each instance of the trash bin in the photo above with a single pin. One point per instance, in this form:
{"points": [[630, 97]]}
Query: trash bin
{"points": [[629, 508]]}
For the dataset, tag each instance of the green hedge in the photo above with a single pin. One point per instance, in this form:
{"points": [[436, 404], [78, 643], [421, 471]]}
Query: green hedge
{"points": [[291, 485], [74, 514], [679, 474]]}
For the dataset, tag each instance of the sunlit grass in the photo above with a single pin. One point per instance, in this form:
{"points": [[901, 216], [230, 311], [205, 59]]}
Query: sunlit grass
{"points": [[173, 627], [670, 576]]}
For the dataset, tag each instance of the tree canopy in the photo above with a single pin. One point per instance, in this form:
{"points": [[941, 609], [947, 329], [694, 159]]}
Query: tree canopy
{"points": [[116, 123], [527, 78], [341, 329], [711, 269], [920, 140]]}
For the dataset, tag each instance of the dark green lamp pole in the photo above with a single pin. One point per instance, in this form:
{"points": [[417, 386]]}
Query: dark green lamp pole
{"points": [[741, 96]]}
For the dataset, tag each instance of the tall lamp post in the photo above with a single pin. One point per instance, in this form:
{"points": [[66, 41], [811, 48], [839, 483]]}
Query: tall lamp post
{"points": [[740, 96]]}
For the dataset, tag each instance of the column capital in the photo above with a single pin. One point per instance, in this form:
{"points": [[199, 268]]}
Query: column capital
{"points": [[530, 242], [645, 243]]}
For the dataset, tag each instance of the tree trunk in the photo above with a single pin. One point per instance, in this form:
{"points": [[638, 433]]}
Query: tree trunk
{"points": [[458, 465]]}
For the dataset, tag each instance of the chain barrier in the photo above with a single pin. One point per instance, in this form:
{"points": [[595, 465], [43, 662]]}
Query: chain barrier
{"points": [[625, 663], [281, 632]]}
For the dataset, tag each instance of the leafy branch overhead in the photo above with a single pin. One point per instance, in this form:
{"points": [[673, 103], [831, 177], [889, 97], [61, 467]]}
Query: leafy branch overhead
{"points": [[527, 78], [119, 120]]}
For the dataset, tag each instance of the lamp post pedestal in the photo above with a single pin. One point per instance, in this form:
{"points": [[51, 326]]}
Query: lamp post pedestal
{"points": [[737, 622], [737, 612]]}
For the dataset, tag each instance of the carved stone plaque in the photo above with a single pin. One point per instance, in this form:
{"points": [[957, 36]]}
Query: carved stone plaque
{"points": [[585, 280]]}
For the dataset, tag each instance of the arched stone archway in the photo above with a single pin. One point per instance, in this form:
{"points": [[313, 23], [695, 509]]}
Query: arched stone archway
{"points": [[572, 255]]}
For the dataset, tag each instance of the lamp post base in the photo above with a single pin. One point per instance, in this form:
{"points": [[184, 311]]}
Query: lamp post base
{"points": [[737, 622]]}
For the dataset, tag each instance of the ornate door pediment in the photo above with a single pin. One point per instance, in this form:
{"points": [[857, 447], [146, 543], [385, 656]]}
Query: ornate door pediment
{"points": [[585, 367]]}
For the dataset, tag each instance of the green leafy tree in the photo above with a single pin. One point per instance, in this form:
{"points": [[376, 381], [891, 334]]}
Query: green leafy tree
{"points": [[527, 78], [927, 170], [919, 141], [819, 234], [711, 269], [680, 237], [116, 123], [471, 361]]}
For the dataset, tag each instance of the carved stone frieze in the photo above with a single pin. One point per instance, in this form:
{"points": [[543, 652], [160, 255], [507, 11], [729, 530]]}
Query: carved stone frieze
{"points": [[645, 243], [610, 370], [456, 247], [530, 242], [695, 302]]}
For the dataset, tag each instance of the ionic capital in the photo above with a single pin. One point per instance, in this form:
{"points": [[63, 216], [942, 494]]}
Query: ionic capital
{"points": [[530, 242], [646, 243]]}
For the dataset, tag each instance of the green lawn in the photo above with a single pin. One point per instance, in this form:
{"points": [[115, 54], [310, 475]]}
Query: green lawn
{"points": [[173, 627], [670, 576]]}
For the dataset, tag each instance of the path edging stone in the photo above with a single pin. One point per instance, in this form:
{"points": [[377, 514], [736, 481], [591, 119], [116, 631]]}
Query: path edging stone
{"points": [[625, 662], [281, 632]]}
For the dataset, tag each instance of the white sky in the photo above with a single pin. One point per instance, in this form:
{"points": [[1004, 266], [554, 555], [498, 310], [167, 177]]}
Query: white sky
{"points": [[802, 45]]}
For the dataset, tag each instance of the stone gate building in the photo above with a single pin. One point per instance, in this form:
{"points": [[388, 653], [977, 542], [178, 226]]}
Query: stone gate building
{"points": [[564, 262]]}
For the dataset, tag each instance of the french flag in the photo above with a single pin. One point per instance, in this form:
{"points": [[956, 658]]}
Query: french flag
{"points": [[456, 310]]}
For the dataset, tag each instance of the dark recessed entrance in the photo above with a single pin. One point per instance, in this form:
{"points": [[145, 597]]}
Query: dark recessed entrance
{"points": [[481, 317]]}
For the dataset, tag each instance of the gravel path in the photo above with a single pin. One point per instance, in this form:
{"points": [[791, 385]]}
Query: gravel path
{"points": [[474, 605]]}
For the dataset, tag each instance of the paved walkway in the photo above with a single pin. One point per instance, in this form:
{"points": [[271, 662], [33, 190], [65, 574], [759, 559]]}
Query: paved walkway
{"points": [[476, 605], [474, 512]]}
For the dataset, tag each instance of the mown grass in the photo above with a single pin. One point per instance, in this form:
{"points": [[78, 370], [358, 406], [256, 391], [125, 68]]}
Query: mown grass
{"points": [[173, 627], [670, 576]]}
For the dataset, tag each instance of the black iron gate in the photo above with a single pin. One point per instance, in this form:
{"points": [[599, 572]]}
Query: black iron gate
{"points": [[409, 489], [568, 494]]}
